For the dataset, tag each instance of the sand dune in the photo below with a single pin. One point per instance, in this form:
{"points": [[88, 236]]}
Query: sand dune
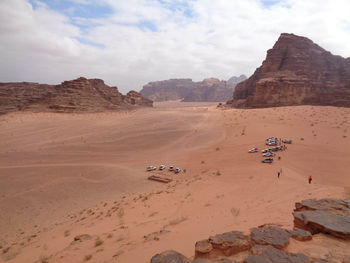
{"points": [[66, 175]]}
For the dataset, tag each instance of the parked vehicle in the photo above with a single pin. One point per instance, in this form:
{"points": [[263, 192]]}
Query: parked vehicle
{"points": [[265, 150], [267, 160], [171, 168], [268, 154], [273, 149], [162, 167], [253, 150], [177, 170], [151, 168], [287, 141], [271, 143]]}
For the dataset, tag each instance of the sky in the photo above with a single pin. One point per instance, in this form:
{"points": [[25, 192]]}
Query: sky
{"points": [[129, 43]]}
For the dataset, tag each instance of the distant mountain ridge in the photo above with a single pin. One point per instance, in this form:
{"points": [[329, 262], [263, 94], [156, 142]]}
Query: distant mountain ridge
{"points": [[296, 71], [236, 80], [79, 95], [208, 90]]}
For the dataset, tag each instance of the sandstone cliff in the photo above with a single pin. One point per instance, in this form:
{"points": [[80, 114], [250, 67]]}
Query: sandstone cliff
{"points": [[210, 89], [296, 71], [79, 95]]}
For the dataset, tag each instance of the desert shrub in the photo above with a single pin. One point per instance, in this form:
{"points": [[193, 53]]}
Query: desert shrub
{"points": [[98, 242]]}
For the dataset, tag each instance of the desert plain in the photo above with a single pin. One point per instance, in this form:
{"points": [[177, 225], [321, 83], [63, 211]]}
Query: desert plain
{"points": [[83, 177]]}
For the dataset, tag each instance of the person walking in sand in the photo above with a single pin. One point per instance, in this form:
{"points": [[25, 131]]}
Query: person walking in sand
{"points": [[278, 174], [310, 179]]}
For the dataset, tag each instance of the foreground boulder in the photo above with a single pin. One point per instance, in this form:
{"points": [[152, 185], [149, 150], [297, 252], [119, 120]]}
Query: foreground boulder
{"points": [[272, 255], [270, 235], [169, 256], [296, 71], [227, 244], [329, 216], [300, 234]]}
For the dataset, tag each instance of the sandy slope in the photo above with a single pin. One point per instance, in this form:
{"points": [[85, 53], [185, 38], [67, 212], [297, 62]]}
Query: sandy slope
{"points": [[65, 175]]}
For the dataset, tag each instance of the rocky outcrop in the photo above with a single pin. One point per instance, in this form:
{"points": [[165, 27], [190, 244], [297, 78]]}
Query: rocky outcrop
{"points": [[329, 216], [296, 71], [135, 98], [300, 234], [169, 256], [79, 95], [270, 235], [269, 254], [227, 244], [269, 243], [210, 89]]}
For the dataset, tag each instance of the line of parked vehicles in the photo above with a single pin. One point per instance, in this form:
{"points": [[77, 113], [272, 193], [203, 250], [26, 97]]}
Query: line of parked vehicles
{"points": [[163, 167], [269, 152]]}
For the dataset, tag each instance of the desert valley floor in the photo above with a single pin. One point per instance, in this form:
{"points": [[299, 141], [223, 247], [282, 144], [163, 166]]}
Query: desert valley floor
{"points": [[65, 175]]}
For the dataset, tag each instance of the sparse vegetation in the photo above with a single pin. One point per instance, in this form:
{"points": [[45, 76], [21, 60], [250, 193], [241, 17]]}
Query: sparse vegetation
{"points": [[87, 257], [44, 259], [347, 192], [66, 233], [235, 211], [98, 242], [177, 220], [120, 238], [120, 212], [118, 253], [152, 214], [218, 173]]}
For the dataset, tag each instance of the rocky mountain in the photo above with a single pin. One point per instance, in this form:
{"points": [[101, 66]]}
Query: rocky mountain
{"points": [[236, 80], [296, 71], [79, 95], [210, 89]]}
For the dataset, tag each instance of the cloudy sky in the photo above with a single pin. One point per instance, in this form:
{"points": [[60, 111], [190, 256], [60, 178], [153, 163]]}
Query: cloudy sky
{"points": [[129, 43]]}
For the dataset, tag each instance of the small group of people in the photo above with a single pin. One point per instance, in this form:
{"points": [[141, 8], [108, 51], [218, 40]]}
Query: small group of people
{"points": [[280, 172]]}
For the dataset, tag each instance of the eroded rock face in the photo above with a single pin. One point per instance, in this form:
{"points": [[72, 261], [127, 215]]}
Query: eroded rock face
{"points": [[169, 256], [135, 98], [270, 235], [296, 71], [79, 95], [329, 216], [211, 89]]}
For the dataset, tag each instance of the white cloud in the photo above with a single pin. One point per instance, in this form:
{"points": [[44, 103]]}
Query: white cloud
{"points": [[148, 40]]}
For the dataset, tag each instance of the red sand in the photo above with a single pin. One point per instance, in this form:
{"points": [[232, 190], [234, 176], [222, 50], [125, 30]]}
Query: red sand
{"points": [[62, 175]]}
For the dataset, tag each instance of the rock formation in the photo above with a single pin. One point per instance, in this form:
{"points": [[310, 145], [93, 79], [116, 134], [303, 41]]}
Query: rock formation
{"points": [[79, 95], [269, 243], [235, 80], [328, 216], [210, 89], [296, 71]]}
